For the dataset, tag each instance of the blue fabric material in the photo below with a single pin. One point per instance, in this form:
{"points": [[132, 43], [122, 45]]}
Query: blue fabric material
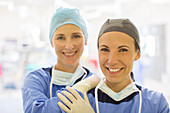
{"points": [[36, 92], [152, 102], [67, 16]]}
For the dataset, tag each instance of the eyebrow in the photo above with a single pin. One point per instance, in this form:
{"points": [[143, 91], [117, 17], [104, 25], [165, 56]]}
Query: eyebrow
{"points": [[103, 46], [59, 35], [118, 47], [123, 46], [76, 33]]}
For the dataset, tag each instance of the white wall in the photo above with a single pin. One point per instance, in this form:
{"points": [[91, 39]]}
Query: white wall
{"points": [[142, 12], [147, 13]]}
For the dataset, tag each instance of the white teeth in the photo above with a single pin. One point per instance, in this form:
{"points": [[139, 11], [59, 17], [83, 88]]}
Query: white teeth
{"points": [[69, 54], [114, 70]]}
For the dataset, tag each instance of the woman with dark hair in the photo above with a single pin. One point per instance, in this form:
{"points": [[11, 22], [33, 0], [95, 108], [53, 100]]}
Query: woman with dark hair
{"points": [[119, 48]]}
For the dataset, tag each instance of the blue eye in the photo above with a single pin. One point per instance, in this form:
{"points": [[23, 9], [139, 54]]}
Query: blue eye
{"points": [[60, 38]]}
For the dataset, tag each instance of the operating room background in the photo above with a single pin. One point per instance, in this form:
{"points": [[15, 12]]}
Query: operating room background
{"points": [[25, 46]]}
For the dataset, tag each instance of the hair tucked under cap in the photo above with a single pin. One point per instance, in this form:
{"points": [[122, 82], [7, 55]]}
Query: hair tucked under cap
{"points": [[121, 25], [67, 16]]}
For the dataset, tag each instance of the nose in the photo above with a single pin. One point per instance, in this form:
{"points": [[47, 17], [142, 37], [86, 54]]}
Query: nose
{"points": [[113, 58], [69, 45]]}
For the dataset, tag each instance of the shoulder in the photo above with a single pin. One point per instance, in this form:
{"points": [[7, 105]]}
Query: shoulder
{"points": [[149, 94], [38, 76], [154, 99], [41, 72]]}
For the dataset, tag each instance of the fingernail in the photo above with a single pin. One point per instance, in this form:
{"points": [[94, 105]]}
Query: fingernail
{"points": [[58, 94]]}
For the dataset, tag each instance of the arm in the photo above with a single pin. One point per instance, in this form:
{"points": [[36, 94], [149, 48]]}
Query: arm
{"points": [[163, 106], [34, 93]]}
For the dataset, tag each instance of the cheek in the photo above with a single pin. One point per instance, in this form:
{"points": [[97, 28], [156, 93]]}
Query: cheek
{"points": [[128, 62], [80, 44], [58, 46], [52, 41], [102, 59]]}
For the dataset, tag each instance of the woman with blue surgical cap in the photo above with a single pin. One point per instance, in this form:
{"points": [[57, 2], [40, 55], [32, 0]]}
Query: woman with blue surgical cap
{"points": [[119, 48], [68, 35]]}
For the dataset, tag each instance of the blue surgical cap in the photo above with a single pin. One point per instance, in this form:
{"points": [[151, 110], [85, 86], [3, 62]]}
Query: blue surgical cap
{"points": [[67, 16]]}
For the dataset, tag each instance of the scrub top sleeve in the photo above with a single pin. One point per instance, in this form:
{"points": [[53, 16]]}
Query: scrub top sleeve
{"points": [[164, 106], [34, 98]]}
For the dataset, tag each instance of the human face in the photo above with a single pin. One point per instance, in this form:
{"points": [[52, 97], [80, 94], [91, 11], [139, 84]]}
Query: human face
{"points": [[116, 56], [68, 41]]}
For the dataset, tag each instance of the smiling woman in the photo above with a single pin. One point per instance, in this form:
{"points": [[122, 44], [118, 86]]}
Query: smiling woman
{"points": [[68, 36], [68, 41], [119, 48], [116, 56]]}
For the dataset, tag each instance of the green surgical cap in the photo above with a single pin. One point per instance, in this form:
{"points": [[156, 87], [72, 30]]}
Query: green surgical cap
{"points": [[64, 16]]}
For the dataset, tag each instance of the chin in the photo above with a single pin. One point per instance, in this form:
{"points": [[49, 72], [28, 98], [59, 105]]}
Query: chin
{"points": [[71, 62], [112, 80]]}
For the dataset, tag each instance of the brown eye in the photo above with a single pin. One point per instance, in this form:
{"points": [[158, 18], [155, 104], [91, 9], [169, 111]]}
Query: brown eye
{"points": [[123, 50], [104, 50]]}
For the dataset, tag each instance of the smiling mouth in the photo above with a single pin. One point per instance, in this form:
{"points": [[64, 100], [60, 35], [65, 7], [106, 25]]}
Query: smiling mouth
{"points": [[114, 70], [69, 54]]}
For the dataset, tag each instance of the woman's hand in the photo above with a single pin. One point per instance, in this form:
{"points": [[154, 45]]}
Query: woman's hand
{"points": [[77, 104], [87, 84]]}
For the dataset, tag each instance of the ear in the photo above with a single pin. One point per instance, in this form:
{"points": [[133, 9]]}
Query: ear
{"points": [[52, 44], [85, 40], [137, 55], [85, 43]]}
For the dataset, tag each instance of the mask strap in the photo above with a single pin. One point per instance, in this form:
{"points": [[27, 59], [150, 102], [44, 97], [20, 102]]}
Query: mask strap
{"points": [[51, 89], [97, 105], [51, 85], [140, 104], [52, 79], [96, 94], [96, 99]]}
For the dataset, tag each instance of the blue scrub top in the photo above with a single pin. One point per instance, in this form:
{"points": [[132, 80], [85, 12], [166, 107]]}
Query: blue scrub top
{"points": [[36, 92], [152, 102]]}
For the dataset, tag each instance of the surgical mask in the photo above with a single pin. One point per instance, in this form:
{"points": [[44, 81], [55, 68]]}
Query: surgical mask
{"points": [[65, 78], [131, 88], [128, 90]]}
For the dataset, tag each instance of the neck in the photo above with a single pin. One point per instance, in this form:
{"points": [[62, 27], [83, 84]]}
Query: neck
{"points": [[117, 87], [66, 68]]}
